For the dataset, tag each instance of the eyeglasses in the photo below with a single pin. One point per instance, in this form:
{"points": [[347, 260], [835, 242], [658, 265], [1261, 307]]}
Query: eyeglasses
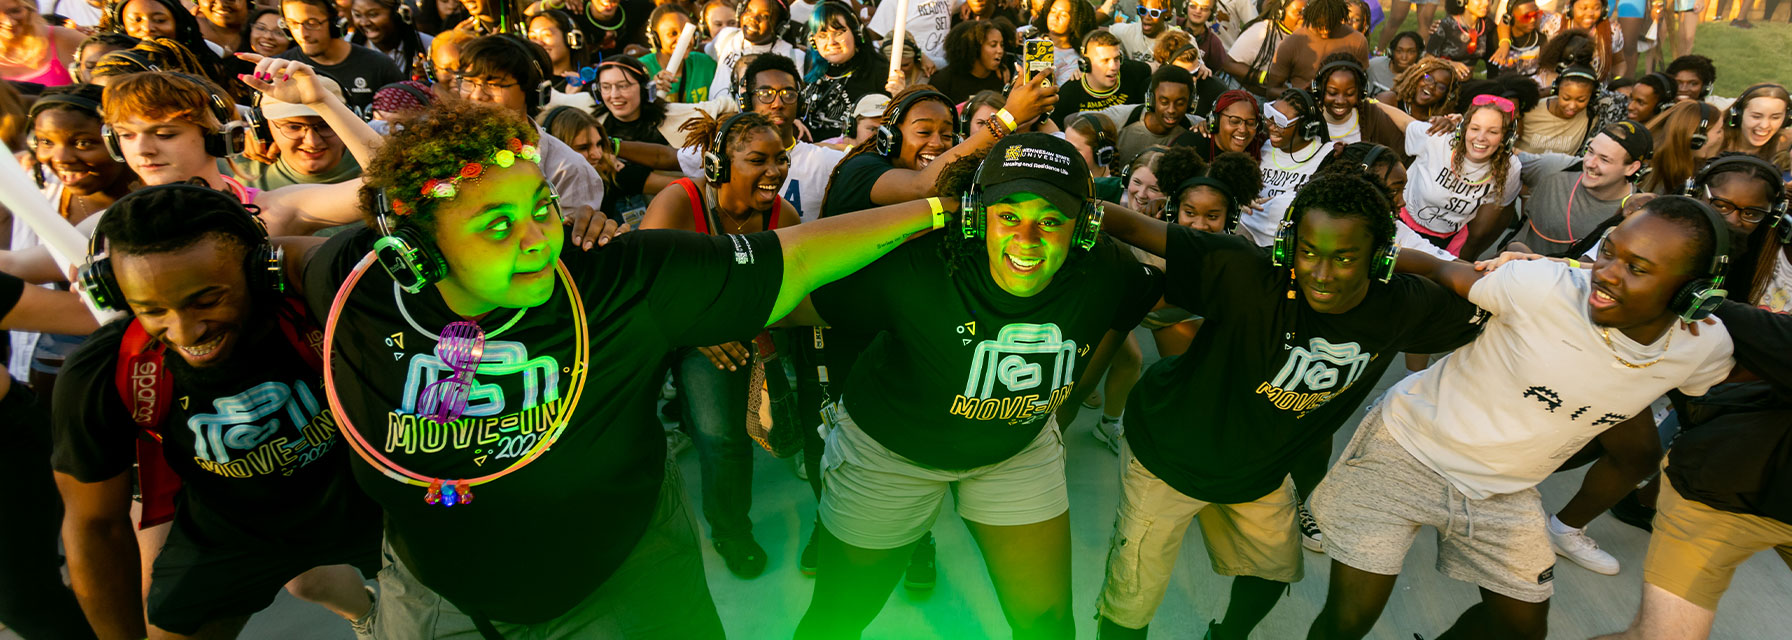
{"points": [[1235, 121], [1152, 13], [625, 86], [471, 85], [308, 25], [1751, 215], [294, 130], [766, 96], [264, 30]]}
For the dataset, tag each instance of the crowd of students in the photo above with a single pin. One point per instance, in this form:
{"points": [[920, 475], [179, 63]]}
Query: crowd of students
{"points": [[916, 261]]}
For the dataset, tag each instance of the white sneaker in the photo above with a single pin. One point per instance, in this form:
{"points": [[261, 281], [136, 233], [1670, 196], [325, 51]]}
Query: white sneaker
{"points": [[801, 464], [1310, 536], [1109, 433], [1576, 545]]}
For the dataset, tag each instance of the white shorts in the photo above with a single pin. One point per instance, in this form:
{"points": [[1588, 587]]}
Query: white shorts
{"points": [[873, 498]]}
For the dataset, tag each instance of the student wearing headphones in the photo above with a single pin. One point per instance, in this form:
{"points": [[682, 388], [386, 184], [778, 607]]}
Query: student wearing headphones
{"points": [[388, 27], [698, 71], [292, 144], [761, 24], [1756, 122], [1342, 87], [1651, 95], [1040, 297], [849, 70], [266, 500], [1460, 182], [1590, 187], [1323, 31], [1169, 98], [1106, 78], [317, 36], [1297, 144], [1462, 445], [1213, 436], [1563, 122]]}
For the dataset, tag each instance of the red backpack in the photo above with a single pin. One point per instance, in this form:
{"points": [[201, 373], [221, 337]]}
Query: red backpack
{"points": [[145, 387]]}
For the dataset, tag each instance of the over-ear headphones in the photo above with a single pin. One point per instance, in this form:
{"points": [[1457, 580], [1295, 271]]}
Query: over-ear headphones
{"points": [[1213, 118], [715, 160], [540, 87], [889, 134], [1281, 253], [406, 13], [1698, 298], [1573, 71], [1733, 119], [1325, 72], [1605, 12], [1082, 52], [973, 220], [1104, 146], [1699, 135], [1307, 121], [1508, 129], [846, 12], [569, 28], [217, 143], [97, 278], [406, 251], [1700, 184], [331, 15], [634, 69], [1126, 169], [1173, 200], [1371, 155]]}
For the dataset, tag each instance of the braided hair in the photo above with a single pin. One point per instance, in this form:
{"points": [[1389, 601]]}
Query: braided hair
{"points": [[1406, 85]]}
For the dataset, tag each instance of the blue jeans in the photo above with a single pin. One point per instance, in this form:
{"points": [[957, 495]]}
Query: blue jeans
{"points": [[715, 415]]}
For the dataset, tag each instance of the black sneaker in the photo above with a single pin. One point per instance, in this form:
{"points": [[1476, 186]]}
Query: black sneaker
{"points": [[1310, 537], [811, 558], [1632, 512], [744, 556], [922, 574]]}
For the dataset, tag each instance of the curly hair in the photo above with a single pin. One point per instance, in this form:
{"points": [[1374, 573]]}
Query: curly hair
{"points": [[1574, 47], [1406, 85], [1169, 45], [1502, 157], [1082, 19], [1346, 194], [1239, 172], [964, 43], [1173, 168], [434, 146], [954, 181], [1700, 66], [1521, 90], [1325, 15]]}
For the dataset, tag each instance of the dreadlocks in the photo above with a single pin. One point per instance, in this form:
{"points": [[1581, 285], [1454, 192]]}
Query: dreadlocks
{"points": [[1406, 85]]}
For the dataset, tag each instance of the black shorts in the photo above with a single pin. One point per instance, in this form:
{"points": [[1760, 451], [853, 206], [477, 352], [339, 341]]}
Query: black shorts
{"points": [[193, 583]]}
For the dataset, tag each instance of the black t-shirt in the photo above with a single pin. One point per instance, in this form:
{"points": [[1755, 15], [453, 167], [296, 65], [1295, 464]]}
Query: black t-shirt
{"points": [[968, 373], [11, 289], [624, 200], [851, 187], [609, 42], [361, 74], [959, 85], [536, 542], [831, 92], [641, 129], [252, 439], [1075, 95], [1267, 376]]}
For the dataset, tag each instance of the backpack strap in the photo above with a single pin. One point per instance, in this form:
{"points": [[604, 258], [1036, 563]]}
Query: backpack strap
{"points": [[301, 333], [142, 379], [772, 222], [690, 189]]}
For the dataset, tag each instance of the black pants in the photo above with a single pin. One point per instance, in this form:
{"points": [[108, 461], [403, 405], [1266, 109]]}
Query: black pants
{"points": [[33, 600]]}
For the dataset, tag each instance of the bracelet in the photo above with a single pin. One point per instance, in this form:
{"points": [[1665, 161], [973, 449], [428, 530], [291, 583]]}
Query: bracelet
{"points": [[616, 146], [1007, 119], [939, 212], [995, 128], [1505, 41], [1572, 263]]}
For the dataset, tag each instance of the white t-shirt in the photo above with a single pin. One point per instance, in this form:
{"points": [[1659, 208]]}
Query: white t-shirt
{"points": [[1350, 131], [1777, 296], [1283, 173], [810, 166], [1132, 38], [1238, 12], [729, 45], [1244, 49], [1064, 70], [1501, 413], [80, 11], [1438, 198], [928, 22], [1381, 74]]}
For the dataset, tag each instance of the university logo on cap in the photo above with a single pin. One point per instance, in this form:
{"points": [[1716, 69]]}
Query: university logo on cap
{"points": [[1013, 153]]}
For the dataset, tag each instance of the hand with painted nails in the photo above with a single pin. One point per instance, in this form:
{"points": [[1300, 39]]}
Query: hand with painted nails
{"points": [[285, 80], [591, 228]]}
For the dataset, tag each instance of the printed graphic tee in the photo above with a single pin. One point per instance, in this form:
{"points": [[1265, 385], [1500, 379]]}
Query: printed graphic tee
{"points": [[1540, 382], [1267, 376], [968, 373], [1437, 196], [252, 439], [536, 542]]}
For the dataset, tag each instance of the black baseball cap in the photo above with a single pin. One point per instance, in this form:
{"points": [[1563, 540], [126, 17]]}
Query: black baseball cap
{"points": [[1040, 164], [1633, 136]]}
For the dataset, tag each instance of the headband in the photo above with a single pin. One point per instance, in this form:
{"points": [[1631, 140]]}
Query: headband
{"points": [[1204, 181], [473, 170]]}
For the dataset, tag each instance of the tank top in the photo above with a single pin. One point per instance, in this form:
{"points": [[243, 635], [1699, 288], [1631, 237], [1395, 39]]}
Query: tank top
{"points": [[51, 73]]}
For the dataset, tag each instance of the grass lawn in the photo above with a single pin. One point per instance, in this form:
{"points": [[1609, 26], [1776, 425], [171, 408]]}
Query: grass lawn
{"points": [[1744, 57]]}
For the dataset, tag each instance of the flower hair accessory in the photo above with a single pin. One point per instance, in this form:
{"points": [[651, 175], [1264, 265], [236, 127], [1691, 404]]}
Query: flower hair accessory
{"points": [[503, 158]]}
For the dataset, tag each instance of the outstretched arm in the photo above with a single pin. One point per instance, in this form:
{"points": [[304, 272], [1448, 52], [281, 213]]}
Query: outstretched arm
{"points": [[50, 311], [819, 252], [296, 82], [1458, 277], [1134, 228], [1028, 101], [302, 209]]}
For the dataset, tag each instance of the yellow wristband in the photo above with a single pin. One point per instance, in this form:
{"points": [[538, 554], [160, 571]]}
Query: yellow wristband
{"points": [[1007, 119], [1574, 263], [939, 212]]}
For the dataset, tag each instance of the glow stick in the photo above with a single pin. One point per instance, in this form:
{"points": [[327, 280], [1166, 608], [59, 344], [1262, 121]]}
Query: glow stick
{"points": [[896, 41], [20, 194], [678, 52]]}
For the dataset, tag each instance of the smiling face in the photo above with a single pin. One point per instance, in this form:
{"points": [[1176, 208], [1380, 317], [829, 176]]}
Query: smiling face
{"points": [[760, 21], [307, 144], [1028, 240], [228, 14], [1202, 209], [310, 26], [545, 32], [1762, 119], [15, 19], [1587, 13], [1170, 102], [500, 239], [163, 152], [266, 37], [496, 88], [1482, 137], [69, 144], [1644, 102], [1238, 126], [757, 167], [1639, 267], [1341, 95], [148, 19], [1199, 11], [592, 147], [1688, 85], [195, 300], [835, 41], [1571, 99], [670, 26], [781, 110], [926, 133], [373, 20], [1475, 8], [1433, 87], [1149, 25], [1281, 137], [1331, 258], [1606, 163], [1142, 193], [620, 92]]}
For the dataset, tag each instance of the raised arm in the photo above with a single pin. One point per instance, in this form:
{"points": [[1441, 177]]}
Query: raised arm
{"points": [[1134, 228], [296, 82], [1401, 119], [1029, 100], [819, 252]]}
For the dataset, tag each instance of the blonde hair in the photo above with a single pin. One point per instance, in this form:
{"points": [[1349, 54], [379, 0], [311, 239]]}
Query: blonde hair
{"points": [[34, 42]]}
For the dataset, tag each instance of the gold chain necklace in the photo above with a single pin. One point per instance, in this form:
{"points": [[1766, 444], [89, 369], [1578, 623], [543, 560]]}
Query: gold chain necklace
{"points": [[1606, 333]]}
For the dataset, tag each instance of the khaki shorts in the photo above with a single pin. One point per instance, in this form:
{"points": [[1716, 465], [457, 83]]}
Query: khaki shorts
{"points": [[1695, 549], [1376, 497], [873, 498], [1257, 538]]}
